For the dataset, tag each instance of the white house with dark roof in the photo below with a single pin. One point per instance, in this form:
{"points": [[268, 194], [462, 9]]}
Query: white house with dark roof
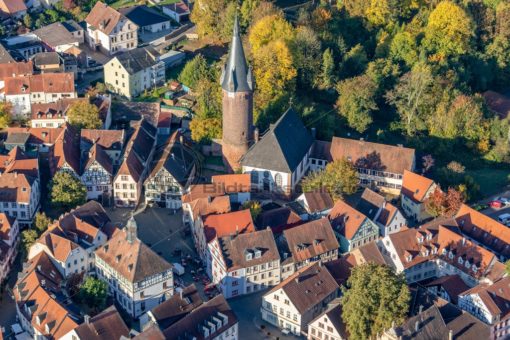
{"points": [[298, 300], [328, 325], [172, 172], [384, 214], [137, 277], [244, 264], [97, 175], [146, 18], [279, 160]]}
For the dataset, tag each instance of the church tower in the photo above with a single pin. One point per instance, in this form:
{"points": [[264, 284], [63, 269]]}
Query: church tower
{"points": [[237, 85]]}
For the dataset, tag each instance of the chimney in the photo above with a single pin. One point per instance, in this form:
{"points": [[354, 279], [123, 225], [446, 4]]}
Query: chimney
{"points": [[420, 309], [181, 295], [417, 326], [87, 319], [297, 279], [450, 335], [314, 132], [256, 135]]}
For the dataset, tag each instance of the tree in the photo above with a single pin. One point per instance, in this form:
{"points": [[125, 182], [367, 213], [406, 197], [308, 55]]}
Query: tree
{"points": [[67, 191], [210, 18], [274, 71], [409, 95], [403, 48], [445, 204], [327, 76], [375, 297], [354, 61], [41, 222], [338, 178], [84, 115], [5, 114], [27, 21], [255, 208], [195, 70], [269, 29], [507, 267], [306, 52], [356, 101], [93, 293], [449, 31], [28, 237], [203, 130]]}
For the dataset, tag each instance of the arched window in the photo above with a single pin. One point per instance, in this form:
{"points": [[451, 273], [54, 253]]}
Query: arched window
{"points": [[278, 180]]}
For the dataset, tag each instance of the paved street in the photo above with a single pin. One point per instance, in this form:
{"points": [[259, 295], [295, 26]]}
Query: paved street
{"points": [[8, 307]]}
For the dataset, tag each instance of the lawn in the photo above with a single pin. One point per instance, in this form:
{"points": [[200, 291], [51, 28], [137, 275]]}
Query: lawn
{"points": [[491, 180]]}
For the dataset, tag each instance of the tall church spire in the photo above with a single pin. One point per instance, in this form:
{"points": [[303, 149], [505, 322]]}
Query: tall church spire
{"points": [[236, 76]]}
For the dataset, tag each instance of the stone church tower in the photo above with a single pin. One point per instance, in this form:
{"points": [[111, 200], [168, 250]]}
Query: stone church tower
{"points": [[237, 85]]}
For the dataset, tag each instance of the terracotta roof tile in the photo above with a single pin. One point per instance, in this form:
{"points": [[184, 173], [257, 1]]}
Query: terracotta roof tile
{"points": [[452, 284], [16, 69], [12, 6], [210, 205], [346, 219], [6, 223], [496, 297], [104, 18], [311, 239], [15, 188], [279, 219], [233, 183], [17, 161], [368, 155], [66, 150], [228, 224], [484, 230], [55, 110], [107, 139], [203, 191], [415, 186], [318, 201], [107, 325], [45, 82], [97, 154]]}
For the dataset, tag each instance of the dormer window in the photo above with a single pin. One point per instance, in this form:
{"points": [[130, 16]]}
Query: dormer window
{"points": [[467, 264], [474, 268], [248, 255], [450, 254], [258, 253], [429, 236], [443, 252], [420, 239], [409, 258], [425, 252], [460, 260]]}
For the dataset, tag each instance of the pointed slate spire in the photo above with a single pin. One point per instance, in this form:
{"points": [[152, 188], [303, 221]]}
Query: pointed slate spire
{"points": [[236, 75]]}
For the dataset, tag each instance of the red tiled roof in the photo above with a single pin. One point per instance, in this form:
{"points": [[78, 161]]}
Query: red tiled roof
{"points": [[45, 82], [228, 224], [105, 18], [16, 69], [347, 219], [17, 161], [415, 186], [233, 183], [12, 6]]}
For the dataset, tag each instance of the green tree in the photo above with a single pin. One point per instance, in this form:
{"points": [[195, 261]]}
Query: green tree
{"points": [[356, 101], [255, 208], [27, 21], [5, 114], [409, 96], [203, 130], [355, 61], [93, 292], [338, 178], [375, 297], [327, 76], [403, 48], [195, 70], [449, 31], [28, 237], [306, 52], [84, 115], [246, 12], [507, 267], [66, 190], [41, 222]]}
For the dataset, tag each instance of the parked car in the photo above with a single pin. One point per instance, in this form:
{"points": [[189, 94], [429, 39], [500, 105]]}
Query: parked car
{"points": [[504, 218], [178, 269], [496, 204], [504, 200]]}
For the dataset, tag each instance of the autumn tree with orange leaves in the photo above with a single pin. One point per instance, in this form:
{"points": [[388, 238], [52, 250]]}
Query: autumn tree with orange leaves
{"points": [[446, 204]]}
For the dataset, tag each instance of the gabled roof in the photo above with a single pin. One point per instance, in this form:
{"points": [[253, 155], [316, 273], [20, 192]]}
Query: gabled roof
{"points": [[45, 82], [189, 326], [282, 147], [452, 284], [484, 230], [104, 18], [279, 219], [318, 201], [496, 297], [12, 69], [56, 109], [235, 249], [143, 15], [56, 34], [374, 156], [138, 59], [37, 289], [310, 239], [12, 6], [177, 307], [6, 223], [107, 139], [220, 225], [135, 261], [415, 186], [370, 203], [59, 246], [97, 154], [35, 135], [16, 187], [210, 205], [66, 150], [308, 287], [346, 219], [17, 161], [334, 314], [198, 191], [107, 325], [175, 158], [236, 75]]}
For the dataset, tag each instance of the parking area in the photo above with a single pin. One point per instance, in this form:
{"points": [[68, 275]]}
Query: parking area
{"points": [[162, 230], [493, 211]]}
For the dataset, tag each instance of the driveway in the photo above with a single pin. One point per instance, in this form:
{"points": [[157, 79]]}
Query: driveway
{"points": [[492, 212]]}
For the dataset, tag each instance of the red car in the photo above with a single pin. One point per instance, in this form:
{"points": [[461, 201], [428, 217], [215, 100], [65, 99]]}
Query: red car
{"points": [[496, 204]]}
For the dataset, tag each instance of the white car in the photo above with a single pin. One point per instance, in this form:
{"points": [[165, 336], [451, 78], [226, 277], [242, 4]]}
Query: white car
{"points": [[504, 200]]}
